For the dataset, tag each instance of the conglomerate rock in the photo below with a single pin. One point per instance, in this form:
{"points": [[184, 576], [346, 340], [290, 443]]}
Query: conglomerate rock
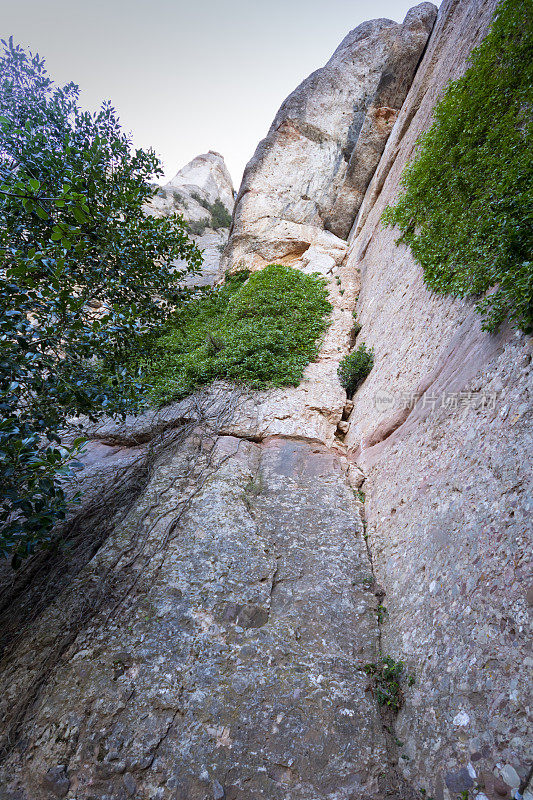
{"points": [[442, 428], [216, 649], [191, 193], [325, 142], [203, 634]]}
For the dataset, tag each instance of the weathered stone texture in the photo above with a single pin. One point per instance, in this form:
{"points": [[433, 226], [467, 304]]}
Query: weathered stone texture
{"points": [[221, 655], [205, 178], [204, 637], [324, 143], [442, 428]]}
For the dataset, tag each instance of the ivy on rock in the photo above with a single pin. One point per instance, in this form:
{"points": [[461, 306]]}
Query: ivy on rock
{"points": [[467, 206]]}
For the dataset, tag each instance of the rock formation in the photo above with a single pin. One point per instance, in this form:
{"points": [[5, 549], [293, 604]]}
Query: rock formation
{"points": [[324, 144], [442, 428], [192, 193], [205, 633]]}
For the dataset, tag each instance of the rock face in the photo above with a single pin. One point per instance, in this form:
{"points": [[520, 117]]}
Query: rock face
{"points": [[220, 660], [205, 633], [325, 142], [191, 193], [442, 428]]}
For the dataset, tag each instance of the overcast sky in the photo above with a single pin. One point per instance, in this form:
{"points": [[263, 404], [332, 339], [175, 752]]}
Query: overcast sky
{"points": [[187, 77]]}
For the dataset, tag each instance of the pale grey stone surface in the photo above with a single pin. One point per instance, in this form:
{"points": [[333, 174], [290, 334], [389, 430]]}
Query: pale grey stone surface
{"points": [[442, 428], [321, 148], [219, 651], [205, 178], [204, 636]]}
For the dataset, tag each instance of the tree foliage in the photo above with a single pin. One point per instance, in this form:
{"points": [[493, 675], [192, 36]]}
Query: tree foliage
{"points": [[467, 206], [84, 275]]}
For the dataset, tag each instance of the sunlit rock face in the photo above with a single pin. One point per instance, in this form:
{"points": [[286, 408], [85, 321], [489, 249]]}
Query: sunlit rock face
{"points": [[324, 144], [208, 175], [199, 184]]}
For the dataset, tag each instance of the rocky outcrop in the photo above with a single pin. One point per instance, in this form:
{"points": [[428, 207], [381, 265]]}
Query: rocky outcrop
{"points": [[201, 645], [442, 429], [396, 78], [215, 657], [205, 632], [192, 193], [325, 141]]}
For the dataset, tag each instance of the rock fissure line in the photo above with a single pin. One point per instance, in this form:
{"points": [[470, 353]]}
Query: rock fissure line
{"points": [[387, 717], [243, 582]]}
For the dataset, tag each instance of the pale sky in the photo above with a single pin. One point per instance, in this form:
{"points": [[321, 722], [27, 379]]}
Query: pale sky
{"points": [[187, 77]]}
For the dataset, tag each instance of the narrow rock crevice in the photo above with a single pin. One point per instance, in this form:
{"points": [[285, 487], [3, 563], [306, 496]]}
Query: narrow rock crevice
{"points": [[398, 788]]}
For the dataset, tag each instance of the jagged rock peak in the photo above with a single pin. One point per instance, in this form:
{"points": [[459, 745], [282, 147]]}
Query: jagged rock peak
{"points": [[208, 174], [311, 170], [192, 193]]}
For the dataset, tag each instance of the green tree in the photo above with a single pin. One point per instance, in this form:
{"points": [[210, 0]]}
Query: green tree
{"points": [[85, 275]]}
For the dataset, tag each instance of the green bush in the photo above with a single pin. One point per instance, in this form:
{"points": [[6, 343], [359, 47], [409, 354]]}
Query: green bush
{"points": [[467, 208], [197, 227], [386, 677], [261, 330], [220, 216], [355, 367]]}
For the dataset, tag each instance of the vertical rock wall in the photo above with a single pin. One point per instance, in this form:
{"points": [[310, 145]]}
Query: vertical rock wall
{"points": [[205, 633], [324, 143], [192, 193], [442, 427]]}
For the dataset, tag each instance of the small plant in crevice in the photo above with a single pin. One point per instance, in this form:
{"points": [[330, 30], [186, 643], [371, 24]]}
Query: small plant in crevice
{"points": [[361, 496], [382, 613], [254, 487], [220, 216], [390, 731], [357, 327], [355, 367], [387, 676]]}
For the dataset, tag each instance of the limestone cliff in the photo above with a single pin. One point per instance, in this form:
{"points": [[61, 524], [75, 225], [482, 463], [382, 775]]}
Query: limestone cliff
{"points": [[192, 193], [205, 633]]}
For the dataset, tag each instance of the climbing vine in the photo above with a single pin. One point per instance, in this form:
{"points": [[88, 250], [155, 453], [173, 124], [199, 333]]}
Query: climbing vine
{"points": [[467, 206]]}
